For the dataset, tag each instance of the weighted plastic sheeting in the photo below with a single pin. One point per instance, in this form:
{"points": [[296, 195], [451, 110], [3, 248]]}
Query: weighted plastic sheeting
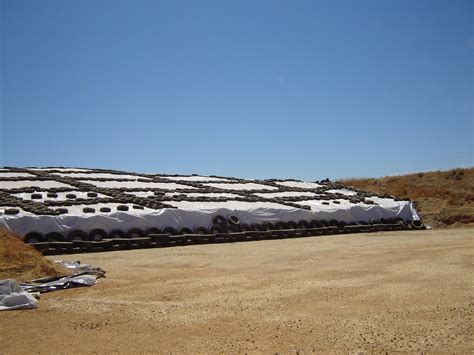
{"points": [[191, 214]]}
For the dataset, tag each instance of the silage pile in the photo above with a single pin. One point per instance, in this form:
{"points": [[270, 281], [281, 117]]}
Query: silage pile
{"points": [[22, 262]]}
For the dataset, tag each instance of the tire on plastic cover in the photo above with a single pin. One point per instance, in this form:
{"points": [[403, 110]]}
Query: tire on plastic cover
{"points": [[134, 233], [257, 227], [55, 237], [233, 220], [185, 230], [152, 230], [98, 234], [77, 235], [170, 231], [303, 224], [215, 228], [292, 225], [220, 220], [201, 230], [33, 237], [246, 227], [117, 234], [281, 225], [268, 226]]}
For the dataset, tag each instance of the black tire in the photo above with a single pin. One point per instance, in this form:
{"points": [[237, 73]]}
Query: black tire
{"points": [[152, 231], [55, 237], [36, 196], [170, 231], [91, 194], [138, 207], [52, 195], [122, 208], [62, 210], [33, 237], [219, 220], [246, 227], [303, 224], [98, 234], [215, 228], [117, 233], [333, 222], [314, 224], [11, 211], [77, 235], [281, 225], [185, 230], [292, 225], [257, 227], [341, 224], [105, 209], [268, 226], [416, 224], [201, 230], [88, 210], [233, 220], [134, 233], [71, 196]]}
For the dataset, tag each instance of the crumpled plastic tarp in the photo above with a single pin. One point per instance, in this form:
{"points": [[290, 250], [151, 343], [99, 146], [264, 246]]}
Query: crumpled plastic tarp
{"points": [[14, 295], [84, 275]]}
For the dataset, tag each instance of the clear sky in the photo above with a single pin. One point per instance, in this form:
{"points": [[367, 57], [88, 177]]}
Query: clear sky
{"points": [[254, 89]]}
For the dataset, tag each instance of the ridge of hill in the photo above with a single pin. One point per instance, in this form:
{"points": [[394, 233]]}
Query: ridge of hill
{"points": [[443, 198]]}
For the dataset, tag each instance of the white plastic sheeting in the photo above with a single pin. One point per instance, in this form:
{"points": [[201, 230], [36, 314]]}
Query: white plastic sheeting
{"points": [[13, 296], [192, 214], [346, 192], [12, 174]]}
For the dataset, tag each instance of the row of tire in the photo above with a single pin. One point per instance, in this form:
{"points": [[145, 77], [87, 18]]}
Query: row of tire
{"points": [[221, 225]]}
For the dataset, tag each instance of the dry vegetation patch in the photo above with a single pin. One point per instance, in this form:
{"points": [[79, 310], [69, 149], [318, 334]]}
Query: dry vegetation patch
{"points": [[22, 262], [444, 198]]}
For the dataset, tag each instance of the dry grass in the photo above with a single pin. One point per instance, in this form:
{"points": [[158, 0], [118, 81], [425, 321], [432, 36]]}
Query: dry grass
{"points": [[444, 198], [22, 262]]}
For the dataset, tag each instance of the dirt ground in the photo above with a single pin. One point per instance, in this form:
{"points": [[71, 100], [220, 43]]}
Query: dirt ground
{"points": [[392, 291]]}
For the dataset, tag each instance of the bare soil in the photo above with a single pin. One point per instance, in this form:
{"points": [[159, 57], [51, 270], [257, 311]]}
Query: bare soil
{"points": [[392, 291]]}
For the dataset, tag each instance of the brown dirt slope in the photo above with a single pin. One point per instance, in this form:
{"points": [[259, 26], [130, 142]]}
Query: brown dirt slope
{"points": [[444, 198], [22, 262]]}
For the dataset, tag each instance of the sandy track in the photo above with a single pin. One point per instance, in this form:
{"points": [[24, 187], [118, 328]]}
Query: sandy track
{"points": [[393, 291]]}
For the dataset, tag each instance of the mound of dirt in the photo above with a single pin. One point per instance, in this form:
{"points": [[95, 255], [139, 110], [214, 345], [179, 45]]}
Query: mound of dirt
{"points": [[444, 198], [22, 262]]}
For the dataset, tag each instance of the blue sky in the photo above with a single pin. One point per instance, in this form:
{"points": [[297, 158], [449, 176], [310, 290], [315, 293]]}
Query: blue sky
{"points": [[255, 89]]}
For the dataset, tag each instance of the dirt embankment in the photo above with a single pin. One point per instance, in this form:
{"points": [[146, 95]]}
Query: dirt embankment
{"points": [[408, 291], [444, 198], [22, 262]]}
